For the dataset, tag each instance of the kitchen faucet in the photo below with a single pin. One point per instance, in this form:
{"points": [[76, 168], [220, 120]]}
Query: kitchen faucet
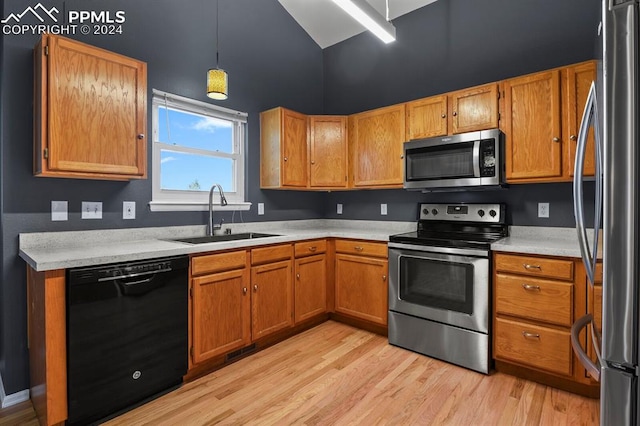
{"points": [[223, 202]]}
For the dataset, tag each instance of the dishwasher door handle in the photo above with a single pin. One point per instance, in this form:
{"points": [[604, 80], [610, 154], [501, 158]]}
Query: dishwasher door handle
{"points": [[137, 288], [140, 274]]}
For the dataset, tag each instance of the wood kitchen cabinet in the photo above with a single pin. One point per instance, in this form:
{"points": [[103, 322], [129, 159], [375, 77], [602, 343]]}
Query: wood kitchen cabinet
{"points": [[542, 116], [272, 290], [310, 279], [461, 111], [377, 151], [532, 125], [537, 299], [221, 304], [90, 112], [328, 151], [361, 270], [283, 149]]}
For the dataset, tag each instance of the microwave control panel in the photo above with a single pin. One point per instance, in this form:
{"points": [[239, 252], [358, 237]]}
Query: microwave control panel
{"points": [[487, 158]]}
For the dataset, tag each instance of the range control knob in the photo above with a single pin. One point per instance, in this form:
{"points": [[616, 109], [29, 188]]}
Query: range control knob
{"points": [[434, 211], [492, 213], [481, 213], [425, 212]]}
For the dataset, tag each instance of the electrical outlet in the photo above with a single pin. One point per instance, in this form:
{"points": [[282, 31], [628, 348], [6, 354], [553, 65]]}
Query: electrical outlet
{"points": [[91, 210], [128, 209], [543, 209], [383, 209], [339, 209], [260, 209], [59, 210]]}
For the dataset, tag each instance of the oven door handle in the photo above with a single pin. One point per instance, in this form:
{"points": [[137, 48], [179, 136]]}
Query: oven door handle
{"points": [[443, 250], [476, 159]]}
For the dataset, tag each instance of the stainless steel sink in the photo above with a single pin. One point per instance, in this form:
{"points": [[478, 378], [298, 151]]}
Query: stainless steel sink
{"points": [[224, 237]]}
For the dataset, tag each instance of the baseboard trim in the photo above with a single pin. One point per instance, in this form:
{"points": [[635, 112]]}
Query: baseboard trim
{"points": [[14, 398]]}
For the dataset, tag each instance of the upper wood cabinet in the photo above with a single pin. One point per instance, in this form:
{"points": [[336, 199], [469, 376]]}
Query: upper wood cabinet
{"points": [[90, 115], [465, 110], [577, 82], [377, 152], [532, 125], [283, 149], [328, 151]]}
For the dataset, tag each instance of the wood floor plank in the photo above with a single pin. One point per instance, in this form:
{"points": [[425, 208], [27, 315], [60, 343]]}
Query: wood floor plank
{"points": [[335, 374]]}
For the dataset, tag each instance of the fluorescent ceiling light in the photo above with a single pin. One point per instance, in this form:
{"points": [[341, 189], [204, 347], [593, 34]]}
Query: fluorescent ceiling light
{"points": [[364, 13]]}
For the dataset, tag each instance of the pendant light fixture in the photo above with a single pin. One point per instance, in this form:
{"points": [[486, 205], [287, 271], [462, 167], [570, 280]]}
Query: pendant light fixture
{"points": [[217, 85]]}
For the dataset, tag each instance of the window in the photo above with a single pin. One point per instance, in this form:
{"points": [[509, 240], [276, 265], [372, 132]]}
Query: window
{"points": [[196, 144]]}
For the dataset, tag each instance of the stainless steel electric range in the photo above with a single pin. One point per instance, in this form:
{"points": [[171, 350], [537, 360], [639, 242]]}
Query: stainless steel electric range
{"points": [[439, 283]]}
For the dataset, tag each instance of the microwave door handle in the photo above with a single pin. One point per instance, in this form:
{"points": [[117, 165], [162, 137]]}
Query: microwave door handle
{"points": [[578, 174], [592, 368], [476, 159]]}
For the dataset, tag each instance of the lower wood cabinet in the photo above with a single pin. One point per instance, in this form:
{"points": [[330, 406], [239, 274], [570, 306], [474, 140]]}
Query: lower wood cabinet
{"points": [[310, 279], [536, 300], [272, 298], [361, 280]]}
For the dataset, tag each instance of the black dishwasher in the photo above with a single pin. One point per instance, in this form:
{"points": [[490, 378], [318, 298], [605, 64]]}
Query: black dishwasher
{"points": [[126, 335]]}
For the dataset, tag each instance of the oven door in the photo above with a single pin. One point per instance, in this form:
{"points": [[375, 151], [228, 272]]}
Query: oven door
{"points": [[447, 285]]}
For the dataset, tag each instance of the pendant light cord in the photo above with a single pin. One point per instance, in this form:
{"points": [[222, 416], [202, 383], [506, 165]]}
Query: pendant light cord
{"points": [[217, 33]]}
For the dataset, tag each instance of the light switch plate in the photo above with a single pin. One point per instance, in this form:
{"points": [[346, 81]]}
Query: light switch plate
{"points": [[543, 209], [260, 209], [383, 209], [59, 210], [92, 210], [128, 209], [339, 209]]}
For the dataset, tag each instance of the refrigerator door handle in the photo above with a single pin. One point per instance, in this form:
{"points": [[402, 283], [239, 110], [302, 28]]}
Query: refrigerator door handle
{"points": [[590, 113], [592, 368]]}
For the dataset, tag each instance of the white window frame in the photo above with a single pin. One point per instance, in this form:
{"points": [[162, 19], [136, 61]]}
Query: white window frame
{"points": [[173, 200]]}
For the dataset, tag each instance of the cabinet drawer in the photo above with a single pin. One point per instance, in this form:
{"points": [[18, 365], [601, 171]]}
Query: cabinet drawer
{"points": [[364, 248], [534, 298], [540, 347], [271, 254], [536, 266], [218, 262], [308, 248]]}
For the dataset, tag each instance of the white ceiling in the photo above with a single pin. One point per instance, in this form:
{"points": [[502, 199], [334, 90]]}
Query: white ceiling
{"points": [[327, 24]]}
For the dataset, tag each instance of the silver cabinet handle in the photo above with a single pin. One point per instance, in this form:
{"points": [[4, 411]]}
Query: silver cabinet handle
{"points": [[530, 287], [532, 267], [244, 290], [530, 336], [358, 248], [556, 139]]}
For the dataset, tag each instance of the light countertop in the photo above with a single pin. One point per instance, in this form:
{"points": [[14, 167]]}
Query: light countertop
{"points": [[542, 241], [62, 250]]}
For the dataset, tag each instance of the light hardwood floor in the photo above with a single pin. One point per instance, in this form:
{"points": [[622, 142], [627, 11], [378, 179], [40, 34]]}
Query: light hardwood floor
{"points": [[334, 374]]}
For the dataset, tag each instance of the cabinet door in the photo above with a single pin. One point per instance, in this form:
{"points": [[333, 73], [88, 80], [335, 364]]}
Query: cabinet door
{"points": [[310, 287], [532, 126], [328, 151], [221, 314], [427, 118], [578, 82], [474, 109], [272, 300], [378, 150], [361, 287], [294, 148], [96, 104]]}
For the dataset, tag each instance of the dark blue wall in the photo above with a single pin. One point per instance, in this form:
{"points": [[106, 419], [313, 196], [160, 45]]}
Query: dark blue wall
{"points": [[271, 61]]}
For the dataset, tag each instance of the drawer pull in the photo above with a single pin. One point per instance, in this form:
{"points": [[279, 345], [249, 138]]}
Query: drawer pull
{"points": [[531, 336], [530, 287], [244, 290], [358, 248], [530, 267], [298, 276], [255, 287], [313, 249]]}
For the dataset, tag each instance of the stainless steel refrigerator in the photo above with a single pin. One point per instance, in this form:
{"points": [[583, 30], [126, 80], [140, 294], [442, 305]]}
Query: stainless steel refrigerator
{"points": [[613, 111]]}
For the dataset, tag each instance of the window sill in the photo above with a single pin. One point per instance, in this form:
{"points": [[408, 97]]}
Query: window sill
{"points": [[181, 206]]}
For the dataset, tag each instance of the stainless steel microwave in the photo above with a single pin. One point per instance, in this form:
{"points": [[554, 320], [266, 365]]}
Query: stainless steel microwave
{"points": [[464, 160]]}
